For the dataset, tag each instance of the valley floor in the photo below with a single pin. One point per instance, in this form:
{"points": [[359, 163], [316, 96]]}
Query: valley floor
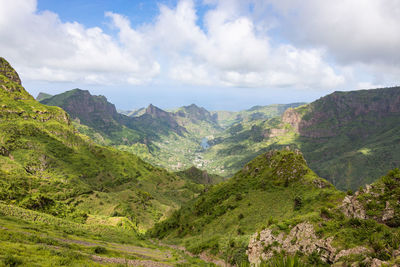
{"points": [[33, 239]]}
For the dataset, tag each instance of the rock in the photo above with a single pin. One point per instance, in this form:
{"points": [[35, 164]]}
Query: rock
{"points": [[377, 263], [388, 213], [396, 253], [301, 238], [352, 208], [351, 251]]}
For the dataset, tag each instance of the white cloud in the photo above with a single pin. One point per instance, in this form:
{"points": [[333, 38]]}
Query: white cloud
{"points": [[232, 49], [354, 31], [44, 48]]}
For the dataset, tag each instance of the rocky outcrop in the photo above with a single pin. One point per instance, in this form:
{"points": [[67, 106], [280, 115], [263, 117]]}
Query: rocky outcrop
{"points": [[8, 71], [388, 213], [351, 207], [351, 251], [292, 117], [94, 111], [302, 238]]}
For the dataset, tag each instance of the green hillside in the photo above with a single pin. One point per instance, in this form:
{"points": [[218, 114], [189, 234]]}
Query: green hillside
{"points": [[201, 177], [349, 138], [276, 185], [276, 209], [172, 140], [46, 166]]}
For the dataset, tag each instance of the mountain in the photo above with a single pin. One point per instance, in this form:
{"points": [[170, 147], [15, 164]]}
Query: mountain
{"points": [[174, 140], [99, 119], [277, 210], [199, 176], [42, 96], [93, 111], [45, 165], [349, 138], [228, 118]]}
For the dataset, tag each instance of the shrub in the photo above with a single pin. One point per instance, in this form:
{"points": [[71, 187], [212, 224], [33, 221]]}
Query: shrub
{"points": [[11, 261], [99, 250], [298, 202]]}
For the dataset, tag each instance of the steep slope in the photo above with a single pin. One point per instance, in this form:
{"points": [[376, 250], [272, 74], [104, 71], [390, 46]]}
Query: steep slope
{"points": [[45, 165], [42, 96], [349, 138], [361, 231], [276, 209], [199, 176], [228, 118], [275, 185]]}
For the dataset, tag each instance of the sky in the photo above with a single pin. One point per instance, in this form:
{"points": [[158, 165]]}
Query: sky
{"points": [[219, 54]]}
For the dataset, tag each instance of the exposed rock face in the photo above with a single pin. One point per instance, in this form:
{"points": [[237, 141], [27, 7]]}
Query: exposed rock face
{"points": [[351, 207], [388, 213], [8, 71], [336, 110], [195, 113], [301, 238], [292, 117], [351, 251], [159, 118], [94, 111]]}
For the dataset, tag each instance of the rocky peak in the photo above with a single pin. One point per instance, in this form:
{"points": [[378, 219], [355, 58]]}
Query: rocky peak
{"points": [[8, 71], [156, 112], [92, 110], [42, 96], [195, 113]]}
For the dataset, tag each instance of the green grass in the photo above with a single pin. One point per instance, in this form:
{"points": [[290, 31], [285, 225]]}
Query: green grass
{"points": [[36, 239], [46, 165], [222, 220]]}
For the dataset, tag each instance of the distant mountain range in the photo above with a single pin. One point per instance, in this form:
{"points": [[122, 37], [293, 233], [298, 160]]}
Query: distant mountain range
{"points": [[70, 195], [350, 138], [168, 139]]}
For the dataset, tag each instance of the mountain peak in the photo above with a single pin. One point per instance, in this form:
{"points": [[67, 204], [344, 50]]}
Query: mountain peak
{"points": [[155, 111], [42, 96], [8, 71]]}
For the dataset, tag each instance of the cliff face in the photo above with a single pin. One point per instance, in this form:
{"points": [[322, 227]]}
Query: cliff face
{"points": [[363, 111], [195, 113], [94, 111], [9, 72]]}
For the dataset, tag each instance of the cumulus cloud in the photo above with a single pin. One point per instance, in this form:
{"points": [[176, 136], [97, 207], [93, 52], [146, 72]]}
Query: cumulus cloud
{"points": [[232, 48], [45, 48], [354, 31]]}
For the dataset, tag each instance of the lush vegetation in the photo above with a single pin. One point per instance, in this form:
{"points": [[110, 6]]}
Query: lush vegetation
{"points": [[45, 165], [277, 186]]}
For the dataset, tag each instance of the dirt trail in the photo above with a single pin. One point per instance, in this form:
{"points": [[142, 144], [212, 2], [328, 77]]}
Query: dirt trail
{"points": [[145, 263]]}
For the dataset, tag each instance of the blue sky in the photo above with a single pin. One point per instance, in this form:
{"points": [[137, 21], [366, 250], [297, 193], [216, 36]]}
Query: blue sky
{"points": [[220, 54]]}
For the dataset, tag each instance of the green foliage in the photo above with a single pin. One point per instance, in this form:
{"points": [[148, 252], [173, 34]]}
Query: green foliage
{"points": [[45, 165], [223, 215], [12, 261], [286, 261], [99, 250]]}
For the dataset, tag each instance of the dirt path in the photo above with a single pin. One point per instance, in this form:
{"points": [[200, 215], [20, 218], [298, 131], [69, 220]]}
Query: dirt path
{"points": [[145, 263]]}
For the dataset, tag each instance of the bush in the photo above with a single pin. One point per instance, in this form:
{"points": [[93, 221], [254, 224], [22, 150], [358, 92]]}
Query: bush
{"points": [[11, 261], [99, 250], [298, 202]]}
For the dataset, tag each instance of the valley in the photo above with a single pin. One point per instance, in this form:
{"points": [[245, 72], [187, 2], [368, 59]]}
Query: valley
{"points": [[308, 184]]}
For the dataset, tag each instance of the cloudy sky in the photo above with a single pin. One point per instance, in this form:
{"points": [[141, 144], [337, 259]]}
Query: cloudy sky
{"points": [[220, 54]]}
